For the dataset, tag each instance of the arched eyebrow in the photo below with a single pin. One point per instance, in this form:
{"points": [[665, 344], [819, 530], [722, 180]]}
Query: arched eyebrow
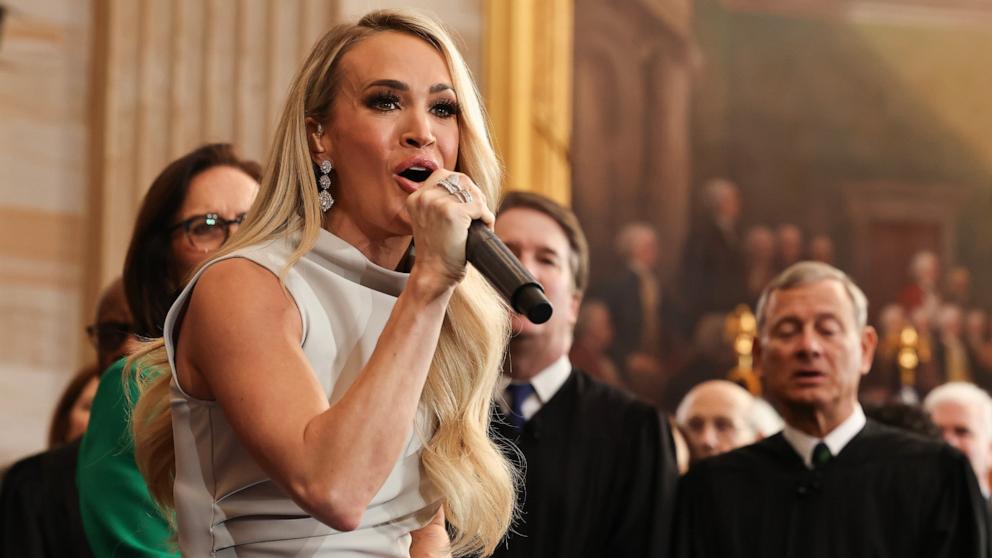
{"points": [[400, 86]]}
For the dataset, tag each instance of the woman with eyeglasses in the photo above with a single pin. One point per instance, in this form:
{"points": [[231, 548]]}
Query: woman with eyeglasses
{"points": [[330, 393], [190, 211]]}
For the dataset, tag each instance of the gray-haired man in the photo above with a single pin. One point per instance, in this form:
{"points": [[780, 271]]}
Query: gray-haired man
{"points": [[832, 483]]}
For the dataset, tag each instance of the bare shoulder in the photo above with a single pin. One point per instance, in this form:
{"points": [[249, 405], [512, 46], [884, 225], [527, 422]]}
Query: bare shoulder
{"points": [[239, 317], [239, 289], [236, 276]]}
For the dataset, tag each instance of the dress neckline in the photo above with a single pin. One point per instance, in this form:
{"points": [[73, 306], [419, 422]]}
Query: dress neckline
{"points": [[333, 252]]}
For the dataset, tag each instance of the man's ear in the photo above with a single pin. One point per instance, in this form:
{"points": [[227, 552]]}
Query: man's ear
{"points": [[317, 140], [574, 304], [869, 340]]}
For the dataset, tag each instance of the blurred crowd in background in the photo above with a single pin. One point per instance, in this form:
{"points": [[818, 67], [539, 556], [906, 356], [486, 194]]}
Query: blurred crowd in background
{"points": [[660, 339]]}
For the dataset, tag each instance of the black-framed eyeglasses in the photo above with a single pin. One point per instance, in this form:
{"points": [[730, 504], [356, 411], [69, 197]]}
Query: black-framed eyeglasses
{"points": [[207, 232], [108, 336]]}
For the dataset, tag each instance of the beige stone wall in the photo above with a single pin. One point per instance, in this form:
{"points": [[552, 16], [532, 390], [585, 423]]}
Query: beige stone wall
{"points": [[44, 66]]}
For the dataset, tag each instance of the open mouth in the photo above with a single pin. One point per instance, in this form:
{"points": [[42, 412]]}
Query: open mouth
{"points": [[804, 375], [416, 174]]}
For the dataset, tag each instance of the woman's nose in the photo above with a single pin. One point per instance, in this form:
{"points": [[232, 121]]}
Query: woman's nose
{"points": [[418, 132]]}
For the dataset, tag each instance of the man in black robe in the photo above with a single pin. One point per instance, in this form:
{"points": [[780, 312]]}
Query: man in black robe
{"points": [[831, 484], [600, 469]]}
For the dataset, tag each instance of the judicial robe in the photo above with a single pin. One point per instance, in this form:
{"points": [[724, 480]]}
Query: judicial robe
{"points": [[887, 494], [600, 476]]}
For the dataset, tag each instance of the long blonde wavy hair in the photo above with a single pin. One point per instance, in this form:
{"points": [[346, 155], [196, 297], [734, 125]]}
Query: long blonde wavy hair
{"points": [[475, 480]]}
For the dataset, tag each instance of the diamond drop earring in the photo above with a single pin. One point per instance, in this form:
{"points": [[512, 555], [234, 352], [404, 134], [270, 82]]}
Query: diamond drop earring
{"points": [[326, 200]]}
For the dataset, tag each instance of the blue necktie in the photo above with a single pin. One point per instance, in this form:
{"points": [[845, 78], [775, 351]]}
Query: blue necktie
{"points": [[517, 394]]}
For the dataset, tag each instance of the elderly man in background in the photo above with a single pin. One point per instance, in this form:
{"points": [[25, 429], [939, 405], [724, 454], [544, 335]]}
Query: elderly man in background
{"points": [[718, 416], [963, 413], [832, 483]]}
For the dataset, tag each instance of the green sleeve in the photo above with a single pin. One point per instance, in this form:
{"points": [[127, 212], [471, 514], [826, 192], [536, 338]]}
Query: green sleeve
{"points": [[119, 516]]}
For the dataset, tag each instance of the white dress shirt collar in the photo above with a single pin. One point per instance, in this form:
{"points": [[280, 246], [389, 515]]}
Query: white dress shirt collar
{"points": [[546, 384], [839, 437]]}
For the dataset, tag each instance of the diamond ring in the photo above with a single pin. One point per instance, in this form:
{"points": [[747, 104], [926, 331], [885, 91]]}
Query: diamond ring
{"points": [[449, 183]]}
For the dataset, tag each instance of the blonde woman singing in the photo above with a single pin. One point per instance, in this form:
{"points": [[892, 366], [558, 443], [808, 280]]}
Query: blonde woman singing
{"points": [[328, 398]]}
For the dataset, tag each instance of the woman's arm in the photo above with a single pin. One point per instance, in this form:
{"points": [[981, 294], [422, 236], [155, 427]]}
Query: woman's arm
{"points": [[240, 345]]}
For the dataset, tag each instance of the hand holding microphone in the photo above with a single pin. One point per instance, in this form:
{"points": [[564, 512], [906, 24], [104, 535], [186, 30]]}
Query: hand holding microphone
{"points": [[498, 264], [485, 251]]}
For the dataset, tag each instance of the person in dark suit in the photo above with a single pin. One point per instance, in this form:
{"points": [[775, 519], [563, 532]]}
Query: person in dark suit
{"points": [[832, 483], [713, 268], [39, 511], [648, 320], [633, 294], [39, 500], [600, 468]]}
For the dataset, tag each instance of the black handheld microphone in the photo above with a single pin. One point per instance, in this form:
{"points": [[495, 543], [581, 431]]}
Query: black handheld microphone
{"points": [[498, 264]]}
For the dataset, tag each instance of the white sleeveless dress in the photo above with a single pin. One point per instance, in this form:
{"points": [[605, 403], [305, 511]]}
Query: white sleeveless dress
{"points": [[225, 504]]}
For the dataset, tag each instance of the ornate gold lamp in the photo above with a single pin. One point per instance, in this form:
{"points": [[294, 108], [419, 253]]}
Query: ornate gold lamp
{"points": [[908, 359], [740, 329]]}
